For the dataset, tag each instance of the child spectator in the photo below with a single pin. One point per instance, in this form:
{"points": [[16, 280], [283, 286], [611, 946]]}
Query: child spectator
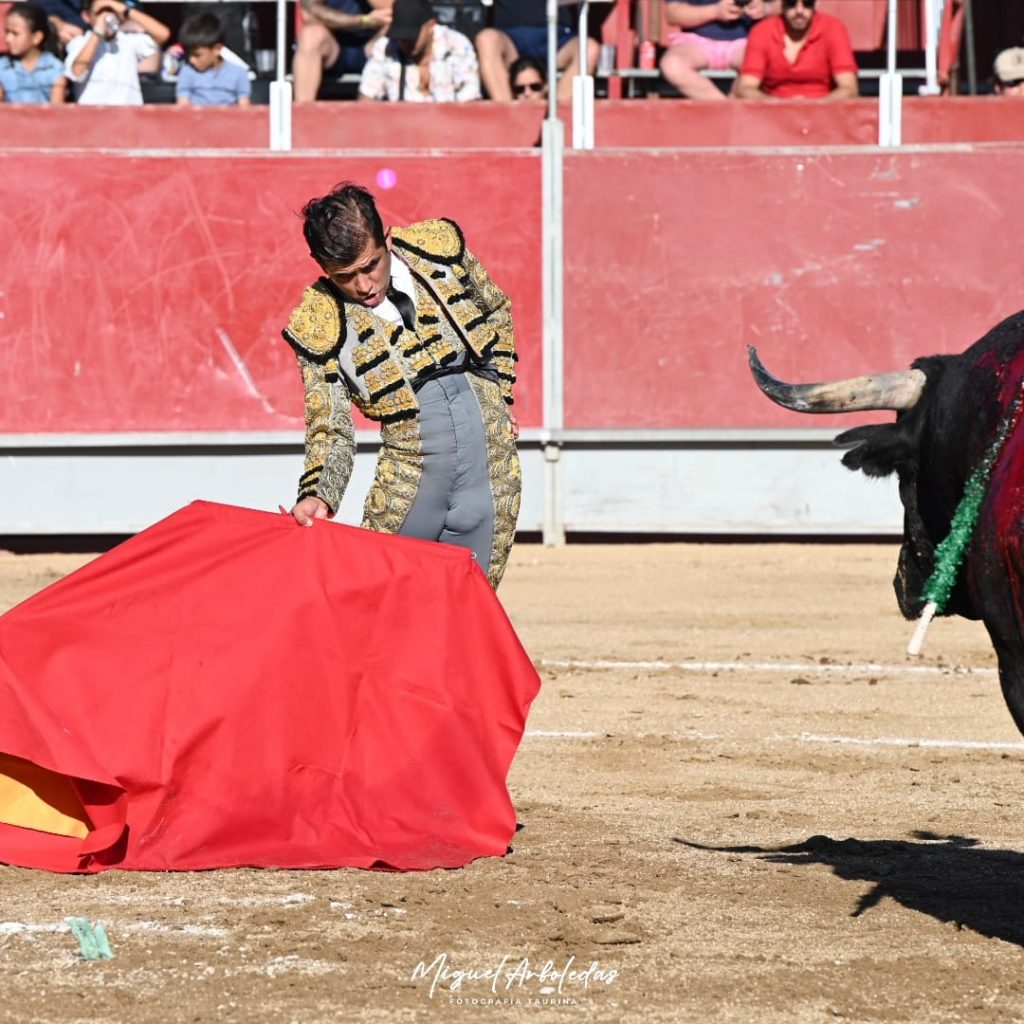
{"points": [[29, 73], [104, 63], [208, 80]]}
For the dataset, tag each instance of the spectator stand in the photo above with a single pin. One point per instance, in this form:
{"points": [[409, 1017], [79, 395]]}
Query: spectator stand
{"points": [[466, 16], [635, 23]]}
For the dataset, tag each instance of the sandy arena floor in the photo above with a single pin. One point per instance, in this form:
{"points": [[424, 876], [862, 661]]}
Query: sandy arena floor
{"points": [[783, 819]]}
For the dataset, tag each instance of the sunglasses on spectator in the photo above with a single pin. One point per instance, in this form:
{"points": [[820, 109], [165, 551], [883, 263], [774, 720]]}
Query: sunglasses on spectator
{"points": [[790, 4], [1013, 84], [528, 87]]}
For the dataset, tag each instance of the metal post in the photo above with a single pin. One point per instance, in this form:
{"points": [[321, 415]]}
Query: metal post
{"points": [[931, 49], [552, 168], [583, 90], [972, 57], [280, 89], [890, 90], [552, 11]]}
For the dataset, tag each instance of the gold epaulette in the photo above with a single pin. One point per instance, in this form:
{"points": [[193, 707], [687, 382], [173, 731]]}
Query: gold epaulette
{"points": [[316, 328], [432, 239]]}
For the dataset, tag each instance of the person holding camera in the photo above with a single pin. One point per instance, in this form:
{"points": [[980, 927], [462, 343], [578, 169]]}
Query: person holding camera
{"points": [[104, 63], [710, 35]]}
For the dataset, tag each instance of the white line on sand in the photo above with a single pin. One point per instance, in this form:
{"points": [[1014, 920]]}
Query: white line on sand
{"points": [[901, 741], [867, 668], [805, 737], [546, 734], [21, 927]]}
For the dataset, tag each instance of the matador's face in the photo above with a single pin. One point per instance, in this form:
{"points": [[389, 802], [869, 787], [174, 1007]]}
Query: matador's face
{"points": [[366, 279]]}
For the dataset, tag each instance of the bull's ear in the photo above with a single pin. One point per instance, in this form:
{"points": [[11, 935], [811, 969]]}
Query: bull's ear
{"points": [[876, 450]]}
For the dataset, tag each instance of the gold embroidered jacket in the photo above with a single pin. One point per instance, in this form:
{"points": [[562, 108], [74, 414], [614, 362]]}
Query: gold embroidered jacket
{"points": [[346, 354]]}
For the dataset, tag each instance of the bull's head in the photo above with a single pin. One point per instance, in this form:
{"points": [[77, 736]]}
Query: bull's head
{"points": [[954, 416], [879, 450]]}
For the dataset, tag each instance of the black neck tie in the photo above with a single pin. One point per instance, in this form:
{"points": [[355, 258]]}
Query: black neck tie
{"points": [[404, 305]]}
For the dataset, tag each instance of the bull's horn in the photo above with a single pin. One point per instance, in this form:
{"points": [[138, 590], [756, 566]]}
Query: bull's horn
{"points": [[899, 390]]}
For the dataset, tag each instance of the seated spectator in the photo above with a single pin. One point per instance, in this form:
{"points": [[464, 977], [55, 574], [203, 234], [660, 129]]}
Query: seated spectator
{"points": [[711, 34], [334, 40], [65, 19], [1008, 72], [29, 72], [239, 25], [207, 79], [798, 53], [420, 60], [529, 80], [104, 63], [520, 29]]}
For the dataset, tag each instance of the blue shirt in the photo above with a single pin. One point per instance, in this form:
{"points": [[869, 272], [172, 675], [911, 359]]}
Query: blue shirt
{"points": [[725, 30], [526, 14], [23, 86], [353, 37], [222, 85], [66, 10]]}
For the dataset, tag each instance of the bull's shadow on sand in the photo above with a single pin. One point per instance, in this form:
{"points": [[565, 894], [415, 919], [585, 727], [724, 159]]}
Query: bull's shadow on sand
{"points": [[950, 878]]}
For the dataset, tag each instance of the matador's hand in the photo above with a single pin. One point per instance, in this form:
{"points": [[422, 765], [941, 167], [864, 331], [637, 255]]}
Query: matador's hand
{"points": [[308, 509]]}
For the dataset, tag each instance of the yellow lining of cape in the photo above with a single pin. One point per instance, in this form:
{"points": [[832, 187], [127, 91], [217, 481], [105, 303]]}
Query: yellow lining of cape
{"points": [[36, 798]]}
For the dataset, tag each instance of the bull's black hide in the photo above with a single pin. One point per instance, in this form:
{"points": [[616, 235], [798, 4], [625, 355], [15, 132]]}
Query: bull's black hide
{"points": [[938, 439]]}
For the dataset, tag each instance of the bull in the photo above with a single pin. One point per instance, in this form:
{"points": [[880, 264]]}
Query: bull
{"points": [[948, 410]]}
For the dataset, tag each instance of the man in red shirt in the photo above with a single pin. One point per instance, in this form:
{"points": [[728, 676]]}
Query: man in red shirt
{"points": [[798, 53]]}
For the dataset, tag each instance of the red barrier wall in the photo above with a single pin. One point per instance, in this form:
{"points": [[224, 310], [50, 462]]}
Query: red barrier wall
{"points": [[338, 125], [676, 123], [833, 264], [619, 123], [149, 292], [670, 124]]}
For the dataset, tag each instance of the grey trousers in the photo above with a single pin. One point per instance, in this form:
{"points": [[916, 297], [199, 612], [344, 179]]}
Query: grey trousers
{"points": [[453, 502]]}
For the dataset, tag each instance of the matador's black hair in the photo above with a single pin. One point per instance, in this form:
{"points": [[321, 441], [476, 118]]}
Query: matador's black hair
{"points": [[338, 225]]}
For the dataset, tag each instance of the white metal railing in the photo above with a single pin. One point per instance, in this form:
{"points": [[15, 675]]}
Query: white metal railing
{"points": [[890, 88], [932, 28], [281, 88], [890, 92]]}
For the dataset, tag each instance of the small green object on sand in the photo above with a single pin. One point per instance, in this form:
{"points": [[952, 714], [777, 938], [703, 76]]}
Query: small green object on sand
{"points": [[92, 939]]}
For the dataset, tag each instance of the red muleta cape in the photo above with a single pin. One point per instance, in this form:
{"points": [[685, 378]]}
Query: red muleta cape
{"points": [[230, 689]]}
